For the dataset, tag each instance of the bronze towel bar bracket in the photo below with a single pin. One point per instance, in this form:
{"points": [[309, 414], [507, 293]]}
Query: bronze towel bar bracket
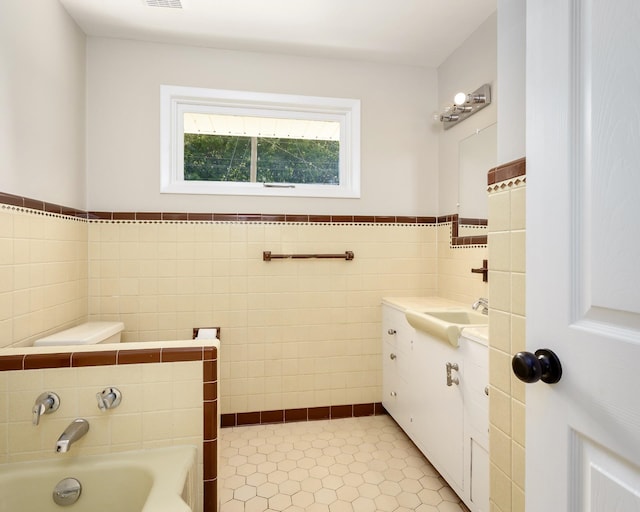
{"points": [[484, 270], [268, 256]]}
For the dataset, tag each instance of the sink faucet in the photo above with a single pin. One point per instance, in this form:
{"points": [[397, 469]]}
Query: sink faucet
{"points": [[76, 429], [482, 302]]}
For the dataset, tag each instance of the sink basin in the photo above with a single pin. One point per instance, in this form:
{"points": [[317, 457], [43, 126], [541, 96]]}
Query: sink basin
{"points": [[445, 323], [459, 317]]}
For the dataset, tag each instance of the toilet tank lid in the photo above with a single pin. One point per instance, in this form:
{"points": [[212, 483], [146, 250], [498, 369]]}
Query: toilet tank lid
{"points": [[88, 333]]}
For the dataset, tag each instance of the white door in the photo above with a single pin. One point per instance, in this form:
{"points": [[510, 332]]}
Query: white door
{"points": [[583, 253]]}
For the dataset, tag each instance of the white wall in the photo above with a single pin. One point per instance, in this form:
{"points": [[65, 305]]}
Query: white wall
{"points": [[470, 66], [42, 102], [511, 69], [399, 143]]}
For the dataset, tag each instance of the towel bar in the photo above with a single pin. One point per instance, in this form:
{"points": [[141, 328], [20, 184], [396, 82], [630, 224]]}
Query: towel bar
{"points": [[268, 256]]}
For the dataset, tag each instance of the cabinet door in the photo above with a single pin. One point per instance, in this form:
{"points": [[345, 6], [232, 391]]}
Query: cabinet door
{"points": [[394, 385], [475, 388], [396, 365], [476, 424], [479, 488], [438, 413]]}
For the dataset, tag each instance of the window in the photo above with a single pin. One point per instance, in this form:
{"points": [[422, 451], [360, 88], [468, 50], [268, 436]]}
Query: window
{"points": [[232, 142]]}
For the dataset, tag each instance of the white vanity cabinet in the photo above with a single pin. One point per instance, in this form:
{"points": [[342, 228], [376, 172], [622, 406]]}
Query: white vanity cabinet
{"points": [[448, 423]]}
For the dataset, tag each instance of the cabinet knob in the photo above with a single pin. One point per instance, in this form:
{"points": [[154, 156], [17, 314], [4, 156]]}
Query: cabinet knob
{"points": [[391, 332], [393, 393], [392, 356], [486, 390]]}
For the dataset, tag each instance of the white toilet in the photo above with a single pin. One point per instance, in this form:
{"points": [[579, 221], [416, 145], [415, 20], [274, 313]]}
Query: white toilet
{"points": [[89, 333]]}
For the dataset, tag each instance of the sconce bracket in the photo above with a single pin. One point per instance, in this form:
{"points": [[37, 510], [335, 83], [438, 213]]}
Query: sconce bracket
{"points": [[469, 108]]}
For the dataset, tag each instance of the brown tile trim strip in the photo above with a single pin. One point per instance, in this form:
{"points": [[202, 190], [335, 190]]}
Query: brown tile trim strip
{"points": [[507, 171], [469, 240], [103, 358], [34, 204], [464, 221], [459, 241], [259, 217], [303, 414], [106, 358], [9, 363], [208, 356], [41, 361]]}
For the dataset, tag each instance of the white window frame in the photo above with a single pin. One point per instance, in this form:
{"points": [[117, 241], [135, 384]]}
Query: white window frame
{"points": [[176, 100]]}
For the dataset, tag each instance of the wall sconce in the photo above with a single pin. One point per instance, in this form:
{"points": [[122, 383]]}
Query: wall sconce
{"points": [[465, 105]]}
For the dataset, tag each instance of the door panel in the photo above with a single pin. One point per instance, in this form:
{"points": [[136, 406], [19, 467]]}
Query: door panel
{"points": [[607, 482], [583, 250]]}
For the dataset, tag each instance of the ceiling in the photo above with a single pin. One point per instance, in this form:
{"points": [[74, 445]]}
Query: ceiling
{"points": [[411, 32]]}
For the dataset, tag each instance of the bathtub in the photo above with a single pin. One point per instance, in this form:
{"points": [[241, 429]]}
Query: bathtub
{"points": [[157, 480]]}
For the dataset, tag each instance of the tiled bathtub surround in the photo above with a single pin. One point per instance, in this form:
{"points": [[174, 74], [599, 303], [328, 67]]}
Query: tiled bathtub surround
{"points": [[169, 396]]}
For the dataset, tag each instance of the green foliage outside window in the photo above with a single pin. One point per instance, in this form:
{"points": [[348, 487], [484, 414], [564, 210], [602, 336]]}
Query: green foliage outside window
{"points": [[228, 158]]}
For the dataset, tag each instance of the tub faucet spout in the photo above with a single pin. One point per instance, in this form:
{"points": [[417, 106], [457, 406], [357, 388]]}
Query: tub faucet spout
{"points": [[76, 429]]}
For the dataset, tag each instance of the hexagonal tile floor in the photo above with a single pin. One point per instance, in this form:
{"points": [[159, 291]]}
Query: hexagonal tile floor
{"points": [[347, 465]]}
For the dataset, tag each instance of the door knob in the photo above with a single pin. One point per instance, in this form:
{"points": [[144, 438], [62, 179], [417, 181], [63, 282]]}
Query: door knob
{"points": [[544, 365]]}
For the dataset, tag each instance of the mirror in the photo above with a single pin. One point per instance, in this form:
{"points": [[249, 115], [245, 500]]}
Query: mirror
{"points": [[477, 155]]}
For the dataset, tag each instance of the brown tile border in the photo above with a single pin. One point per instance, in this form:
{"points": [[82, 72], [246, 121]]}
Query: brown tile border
{"points": [[507, 171], [101, 358], [34, 204], [294, 415], [248, 418], [138, 356], [180, 354], [106, 358], [208, 356], [456, 222], [318, 413], [364, 410], [10, 363], [469, 240], [330, 412], [42, 361], [272, 416]]}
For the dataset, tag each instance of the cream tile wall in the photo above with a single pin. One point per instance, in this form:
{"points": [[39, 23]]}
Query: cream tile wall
{"points": [[455, 280], [161, 406], [506, 336], [295, 333], [43, 274]]}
